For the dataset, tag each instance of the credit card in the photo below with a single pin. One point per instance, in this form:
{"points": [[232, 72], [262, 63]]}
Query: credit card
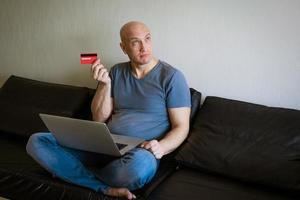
{"points": [[88, 58]]}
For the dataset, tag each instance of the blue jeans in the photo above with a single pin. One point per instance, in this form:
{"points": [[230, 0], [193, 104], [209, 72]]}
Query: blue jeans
{"points": [[133, 170]]}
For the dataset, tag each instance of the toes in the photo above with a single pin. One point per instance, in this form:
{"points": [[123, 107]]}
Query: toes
{"points": [[120, 192]]}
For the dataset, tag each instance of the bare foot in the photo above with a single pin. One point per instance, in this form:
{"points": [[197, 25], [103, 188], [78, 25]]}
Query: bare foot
{"points": [[120, 192]]}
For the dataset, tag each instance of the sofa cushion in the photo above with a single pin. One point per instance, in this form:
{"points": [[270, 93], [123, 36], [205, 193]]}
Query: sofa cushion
{"points": [[191, 185], [245, 141], [21, 100]]}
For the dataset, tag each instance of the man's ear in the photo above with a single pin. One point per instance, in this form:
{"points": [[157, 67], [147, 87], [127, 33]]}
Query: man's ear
{"points": [[123, 48]]}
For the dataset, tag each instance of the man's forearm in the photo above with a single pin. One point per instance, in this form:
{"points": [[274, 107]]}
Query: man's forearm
{"points": [[174, 138], [102, 104], [179, 118]]}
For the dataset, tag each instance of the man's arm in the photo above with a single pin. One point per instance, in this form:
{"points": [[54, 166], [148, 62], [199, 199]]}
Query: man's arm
{"points": [[102, 103], [180, 120]]}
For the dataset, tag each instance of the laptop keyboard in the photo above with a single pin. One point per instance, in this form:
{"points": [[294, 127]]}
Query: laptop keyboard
{"points": [[121, 146]]}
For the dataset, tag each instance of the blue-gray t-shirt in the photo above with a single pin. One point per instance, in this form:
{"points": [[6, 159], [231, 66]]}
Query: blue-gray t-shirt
{"points": [[140, 105]]}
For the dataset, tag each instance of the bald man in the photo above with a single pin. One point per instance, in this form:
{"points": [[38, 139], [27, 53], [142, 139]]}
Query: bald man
{"points": [[144, 97]]}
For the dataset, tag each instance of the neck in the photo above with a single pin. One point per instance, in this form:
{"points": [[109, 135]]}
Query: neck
{"points": [[139, 71]]}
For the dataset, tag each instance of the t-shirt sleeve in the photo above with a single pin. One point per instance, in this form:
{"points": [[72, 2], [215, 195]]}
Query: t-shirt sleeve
{"points": [[178, 93]]}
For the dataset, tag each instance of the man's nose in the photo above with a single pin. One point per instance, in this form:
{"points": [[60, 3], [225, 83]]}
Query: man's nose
{"points": [[143, 46]]}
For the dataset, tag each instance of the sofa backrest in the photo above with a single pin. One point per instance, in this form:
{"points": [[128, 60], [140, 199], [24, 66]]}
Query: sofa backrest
{"points": [[245, 141], [22, 99], [195, 104]]}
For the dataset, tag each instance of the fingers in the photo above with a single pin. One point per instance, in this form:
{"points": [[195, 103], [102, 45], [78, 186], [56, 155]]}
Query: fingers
{"points": [[99, 72], [97, 62], [96, 66], [154, 147], [149, 144]]}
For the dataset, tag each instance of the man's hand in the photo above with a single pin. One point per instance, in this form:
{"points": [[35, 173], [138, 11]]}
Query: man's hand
{"points": [[100, 73], [179, 118], [102, 103], [154, 147]]}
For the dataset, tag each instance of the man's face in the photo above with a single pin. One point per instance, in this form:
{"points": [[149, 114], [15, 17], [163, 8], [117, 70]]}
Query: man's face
{"points": [[137, 44]]}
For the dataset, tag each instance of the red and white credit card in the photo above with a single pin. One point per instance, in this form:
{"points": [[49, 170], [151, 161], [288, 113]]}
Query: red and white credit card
{"points": [[88, 58]]}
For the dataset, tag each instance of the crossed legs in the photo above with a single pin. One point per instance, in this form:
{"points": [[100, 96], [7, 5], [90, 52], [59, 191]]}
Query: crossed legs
{"points": [[116, 178]]}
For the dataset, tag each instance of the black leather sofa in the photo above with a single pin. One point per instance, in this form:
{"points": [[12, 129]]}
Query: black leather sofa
{"points": [[235, 150]]}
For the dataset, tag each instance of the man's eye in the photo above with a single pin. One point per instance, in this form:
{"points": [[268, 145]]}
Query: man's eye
{"points": [[134, 43]]}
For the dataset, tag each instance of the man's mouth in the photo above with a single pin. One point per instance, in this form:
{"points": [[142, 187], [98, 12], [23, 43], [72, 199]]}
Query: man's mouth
{"points": [[144, 55]]}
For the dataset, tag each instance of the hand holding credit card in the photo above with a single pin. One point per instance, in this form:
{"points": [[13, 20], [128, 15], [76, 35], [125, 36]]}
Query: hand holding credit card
{"points": [[88, 58], [99, 72]]}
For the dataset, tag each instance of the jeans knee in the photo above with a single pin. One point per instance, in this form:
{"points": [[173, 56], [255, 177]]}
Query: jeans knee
{"points": [[141, 171], [146, 170], [30, 143], [34, 141]]}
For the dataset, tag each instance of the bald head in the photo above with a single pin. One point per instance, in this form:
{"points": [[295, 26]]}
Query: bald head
{"points": [[136, 43], [129, 28]]}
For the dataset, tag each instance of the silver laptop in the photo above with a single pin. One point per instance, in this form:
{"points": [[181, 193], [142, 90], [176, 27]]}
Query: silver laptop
{"points": [[88, 135]]}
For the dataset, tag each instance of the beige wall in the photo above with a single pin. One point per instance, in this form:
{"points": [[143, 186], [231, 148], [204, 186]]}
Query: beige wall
{"points": [[241, 49]]}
